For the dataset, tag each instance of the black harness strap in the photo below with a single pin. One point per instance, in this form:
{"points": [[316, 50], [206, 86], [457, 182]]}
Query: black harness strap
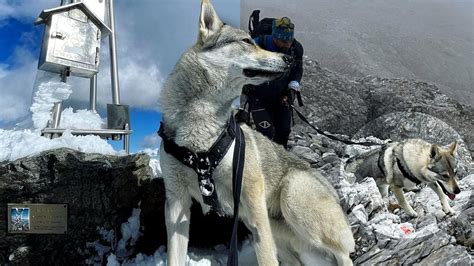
{"points": [[380, 161], [404, 167], [407, 173], [204, 164]]}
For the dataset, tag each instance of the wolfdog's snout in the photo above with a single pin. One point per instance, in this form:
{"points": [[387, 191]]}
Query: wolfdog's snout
{"points": [[288, 60], [457, 190]]}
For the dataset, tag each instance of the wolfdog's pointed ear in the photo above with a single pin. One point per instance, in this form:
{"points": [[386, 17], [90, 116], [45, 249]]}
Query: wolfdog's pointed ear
{"points": [[209, 22], [434, 154], [453, 147]]}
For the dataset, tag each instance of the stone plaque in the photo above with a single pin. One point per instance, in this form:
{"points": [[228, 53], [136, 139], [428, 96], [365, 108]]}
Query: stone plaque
{"points": [[37, 218]]}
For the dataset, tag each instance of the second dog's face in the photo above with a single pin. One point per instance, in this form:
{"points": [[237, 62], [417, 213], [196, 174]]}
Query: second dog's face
{"points": [[443, 168], [231, 53]]}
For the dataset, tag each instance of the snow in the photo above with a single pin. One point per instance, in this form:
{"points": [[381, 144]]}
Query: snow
{"points": [[155, 166], [195, 257], [112, 260], [154, 160], [120, 254], [81, 119], [48, 89], [18, 144], [130, 232], [154, 153]]}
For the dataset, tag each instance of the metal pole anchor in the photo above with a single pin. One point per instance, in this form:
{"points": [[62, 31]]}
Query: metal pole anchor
{"points": [[56, 121], [113, 56]]}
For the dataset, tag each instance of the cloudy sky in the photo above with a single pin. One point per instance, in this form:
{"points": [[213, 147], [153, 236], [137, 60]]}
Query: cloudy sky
{"points": [[151, 35]]}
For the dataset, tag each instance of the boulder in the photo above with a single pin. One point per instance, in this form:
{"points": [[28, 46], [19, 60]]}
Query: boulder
{"points": [[101, 191], [115, 205]]}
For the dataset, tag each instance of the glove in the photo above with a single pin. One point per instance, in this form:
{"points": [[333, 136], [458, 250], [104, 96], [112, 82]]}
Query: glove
{"points": [[242, 116], [291, 96], [294, 85]]}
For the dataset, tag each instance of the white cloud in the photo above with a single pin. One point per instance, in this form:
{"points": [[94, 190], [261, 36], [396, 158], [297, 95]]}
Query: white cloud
{"points": [[24, 9], [150, 142], [5, 9], [139, 80], [13, 107], [152, 152], [16, 85]]}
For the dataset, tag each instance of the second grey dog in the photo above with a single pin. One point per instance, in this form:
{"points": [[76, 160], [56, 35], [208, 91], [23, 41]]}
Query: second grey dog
{"points": [[289, 207], [403, 165]]}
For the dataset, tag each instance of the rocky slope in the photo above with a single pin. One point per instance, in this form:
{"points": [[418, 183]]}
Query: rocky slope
{"points": [[384, 233], [340, 105], [393, 109]]}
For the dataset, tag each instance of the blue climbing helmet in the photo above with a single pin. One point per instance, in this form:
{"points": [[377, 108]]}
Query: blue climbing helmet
{"points": [[283, 29]]}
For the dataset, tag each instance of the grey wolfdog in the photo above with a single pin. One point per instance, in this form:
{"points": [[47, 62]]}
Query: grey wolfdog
{"points": [[289, 207], [407, 163]]}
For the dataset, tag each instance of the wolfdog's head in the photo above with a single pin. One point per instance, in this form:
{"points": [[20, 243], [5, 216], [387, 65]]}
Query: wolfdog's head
{"points": [[442, 166], [215, 69], [231, 56]]}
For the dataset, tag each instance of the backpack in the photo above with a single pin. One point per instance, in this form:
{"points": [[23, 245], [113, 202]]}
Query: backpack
{"points": [[259, 27]]}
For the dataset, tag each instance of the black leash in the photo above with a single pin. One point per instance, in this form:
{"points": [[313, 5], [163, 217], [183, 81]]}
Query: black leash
{"points": [[237, 171], [302, 117]]}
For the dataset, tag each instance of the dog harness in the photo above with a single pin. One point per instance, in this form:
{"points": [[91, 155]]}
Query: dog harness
{"points": [[407, 173], [405, 169], [400, 163], [380, 161], [204, 164]]}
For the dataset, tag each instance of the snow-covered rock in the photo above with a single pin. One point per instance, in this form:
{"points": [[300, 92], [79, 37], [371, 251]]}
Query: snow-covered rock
{"points": [[15, 144]]}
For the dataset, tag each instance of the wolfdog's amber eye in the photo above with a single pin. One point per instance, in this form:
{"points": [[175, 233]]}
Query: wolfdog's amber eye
{"points": [[247, 40]]}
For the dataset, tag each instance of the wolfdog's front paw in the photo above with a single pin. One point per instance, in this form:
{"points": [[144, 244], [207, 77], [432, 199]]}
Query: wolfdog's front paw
{"points": [[449, 210], [412, 213]]}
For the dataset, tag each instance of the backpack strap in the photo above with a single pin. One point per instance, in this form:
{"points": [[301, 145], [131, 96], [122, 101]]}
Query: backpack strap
{"points": [[264, 41], [253, 22], [292, 49]]}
